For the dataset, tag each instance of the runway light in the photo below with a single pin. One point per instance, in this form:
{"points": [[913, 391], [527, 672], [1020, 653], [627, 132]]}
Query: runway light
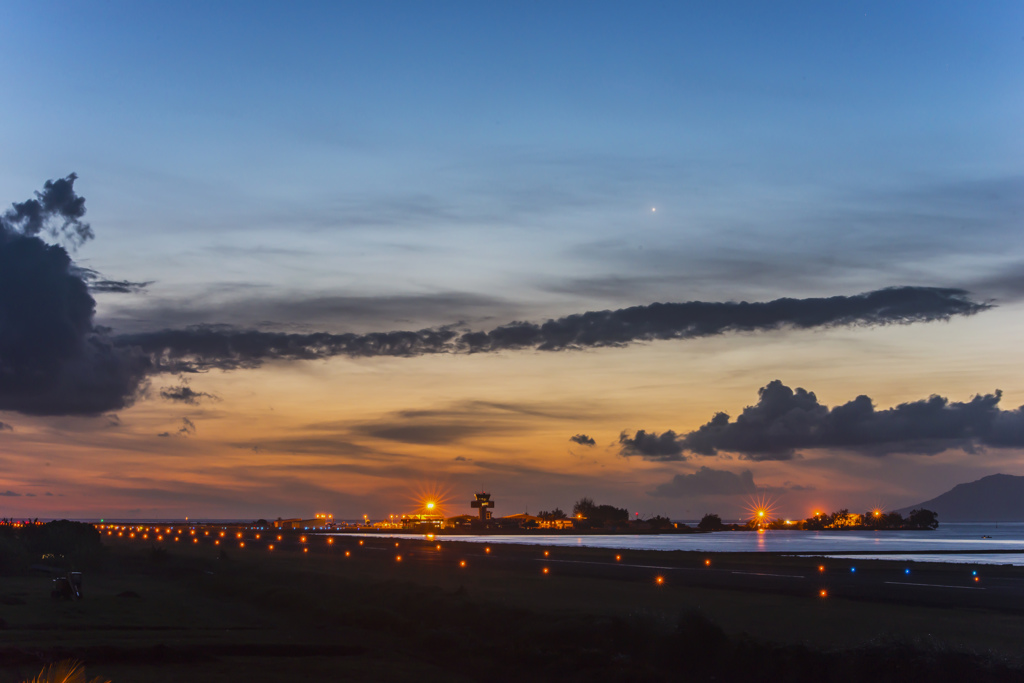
{"points": [[216, 542], [546, 553], [257, 537], [821, 567], [438, 546], [853, 569], [906, 571], [545, 570], [660, 580], [239, 534], [360, 542], [159, 538], [976, 578], [618, 558], [242, 544], [270, 547], [195, 540], [487, 550], [823, 593], [398, 558], [707, 563], [974, 573], [302, 539], [305, 550], [462, 563], [396, 545], [222, 534], [348, 553], [330, 541]]}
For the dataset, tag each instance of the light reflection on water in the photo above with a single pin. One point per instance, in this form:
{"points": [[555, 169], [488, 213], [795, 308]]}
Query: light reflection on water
{"points": [[961, 537]]}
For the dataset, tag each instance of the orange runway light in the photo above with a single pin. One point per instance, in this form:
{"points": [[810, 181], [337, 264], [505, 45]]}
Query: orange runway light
{"points": [[217, 542], [242, 544], [546, 553], [330, 541], [462, 563], [660, 580], [279, 538], [159, 538], [823, 593], [977, 579], [176, 539], [145, 536], [270, 547], [305, 550], [348, 553], [618, 558], [707, 563], [545, 570], [238, 535], [206, 533], [821, 567], [302, 539], [438, 546], [222, 534], [398, 558], [487, 550], [396, 545], [195, 540], [360, 542], [257, 537]]}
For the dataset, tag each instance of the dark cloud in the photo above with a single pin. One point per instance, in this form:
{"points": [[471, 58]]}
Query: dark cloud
{"points": [[10, 494], [98, 283], [423, 434], [583, 440], [186, 394], [708, 482], [652, 446], [56, 211], [30, 495], [784, 421], [205, 347], [53, 360], [4, 427], [459, 458], [188, 428]]}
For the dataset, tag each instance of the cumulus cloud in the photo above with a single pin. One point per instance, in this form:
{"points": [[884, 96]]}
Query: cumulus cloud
{"points": [[57, 211], [212, 346], [652, 446], [583, 440], [53, 360], [708, 482], [784, 421], [10, 494]]}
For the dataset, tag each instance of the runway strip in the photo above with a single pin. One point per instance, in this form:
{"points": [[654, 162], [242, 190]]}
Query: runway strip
{"points": [[933, 585]]}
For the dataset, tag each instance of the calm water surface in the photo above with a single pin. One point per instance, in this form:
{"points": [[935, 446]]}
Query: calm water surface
{"points": [[966, 539]]}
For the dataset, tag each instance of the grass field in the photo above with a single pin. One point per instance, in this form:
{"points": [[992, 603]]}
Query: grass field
{"points": [[203, 613]]}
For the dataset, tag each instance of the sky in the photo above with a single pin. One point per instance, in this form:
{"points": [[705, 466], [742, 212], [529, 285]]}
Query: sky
{"points": [[335, 257]]}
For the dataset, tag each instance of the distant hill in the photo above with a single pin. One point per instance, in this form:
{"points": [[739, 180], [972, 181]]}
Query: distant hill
{"points": [[996, 498]]}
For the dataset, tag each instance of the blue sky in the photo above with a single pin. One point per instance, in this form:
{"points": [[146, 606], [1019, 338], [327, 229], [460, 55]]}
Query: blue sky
{"points": [[376, 166]]}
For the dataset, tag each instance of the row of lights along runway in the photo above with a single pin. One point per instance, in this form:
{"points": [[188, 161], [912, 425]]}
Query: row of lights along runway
{"points": [[284, 541]]}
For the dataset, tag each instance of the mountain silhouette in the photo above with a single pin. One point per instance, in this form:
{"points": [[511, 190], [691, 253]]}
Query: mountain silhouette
{"points": [[996, 498]]}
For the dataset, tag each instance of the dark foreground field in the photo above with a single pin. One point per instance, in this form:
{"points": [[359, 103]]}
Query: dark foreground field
{"points": [[217, 613]]}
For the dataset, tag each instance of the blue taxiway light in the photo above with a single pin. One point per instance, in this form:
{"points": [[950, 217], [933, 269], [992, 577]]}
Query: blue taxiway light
{"points": [[853, 569], [906, 571]]}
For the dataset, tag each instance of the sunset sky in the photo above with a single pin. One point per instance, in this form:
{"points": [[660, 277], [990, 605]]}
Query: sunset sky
{"points": [[258, 170]]}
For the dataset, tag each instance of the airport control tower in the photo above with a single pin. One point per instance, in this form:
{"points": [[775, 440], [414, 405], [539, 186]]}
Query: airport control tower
{"points": [[484, 502]]}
